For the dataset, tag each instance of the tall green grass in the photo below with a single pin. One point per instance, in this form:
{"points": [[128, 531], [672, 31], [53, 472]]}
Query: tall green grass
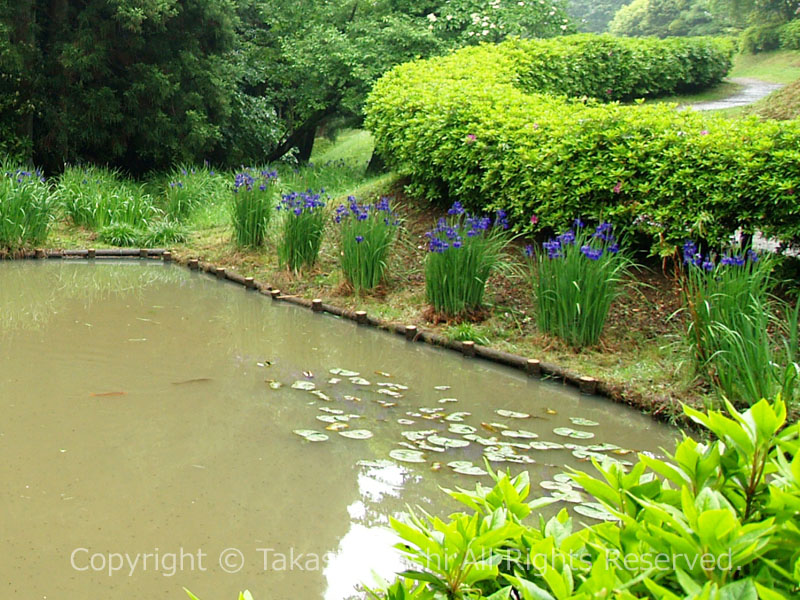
{"points": [[26, 208], [302, 229], [575, 279], [367, 234], [96, 197], [463, 250], [252, 206], [730, 313]]}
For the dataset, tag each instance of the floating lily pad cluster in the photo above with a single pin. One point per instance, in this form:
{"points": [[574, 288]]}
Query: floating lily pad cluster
{"points": [[431, 434]]}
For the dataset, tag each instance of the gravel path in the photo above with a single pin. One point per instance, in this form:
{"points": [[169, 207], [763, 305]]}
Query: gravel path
{"points": [[753, 89]]}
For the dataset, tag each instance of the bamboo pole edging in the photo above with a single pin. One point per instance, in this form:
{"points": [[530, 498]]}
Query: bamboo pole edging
{"points": [[659, 407]]}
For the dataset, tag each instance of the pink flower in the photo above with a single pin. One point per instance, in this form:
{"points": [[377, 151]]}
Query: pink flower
{"points": [[534, 219], [704, 132], [536, 126], [618, 187], [471, 138]]}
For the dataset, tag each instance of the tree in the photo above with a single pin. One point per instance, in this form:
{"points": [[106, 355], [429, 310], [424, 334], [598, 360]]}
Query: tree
{"points": [[593, 15]]}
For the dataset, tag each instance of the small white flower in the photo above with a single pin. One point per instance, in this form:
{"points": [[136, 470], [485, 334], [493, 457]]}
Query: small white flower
{"points": [[521, 3], [432, 17], [449, 17], [563, 27], [485, 32]]}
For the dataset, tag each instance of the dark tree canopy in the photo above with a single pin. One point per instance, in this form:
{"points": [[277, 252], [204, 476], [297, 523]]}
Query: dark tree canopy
{"points": [[143, 84]]}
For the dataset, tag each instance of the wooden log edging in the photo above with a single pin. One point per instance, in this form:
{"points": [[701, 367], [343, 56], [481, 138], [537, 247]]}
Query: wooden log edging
{"points": [[662, 408]]}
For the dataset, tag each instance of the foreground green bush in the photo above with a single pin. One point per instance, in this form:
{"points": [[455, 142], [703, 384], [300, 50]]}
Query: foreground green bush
{"points": [[713, 521], [468, 127]]}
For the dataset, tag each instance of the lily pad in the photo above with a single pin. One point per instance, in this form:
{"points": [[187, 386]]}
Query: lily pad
{"points": [[460, 429], [415, 436], [331, 411], [441, 388], [426, 446], [359, 381], [555, 486], [457, 417], [322, 395], [392, 384], [464, 467], [386, 404], [431, 411], [344, 372], [603, 448], [538, 445], [380, 463], [511, 414], [583, 422], [521, 433], [447, 442], [334, 380], [563, 478], [594, 510], [405, 421], [410, 456], [306, 386], [571, 496], [390, 392], [481, 440], [275, 385], [573, 433], [357, 434], [352, 398], [447, 400], [331, 418], [311, 435]]}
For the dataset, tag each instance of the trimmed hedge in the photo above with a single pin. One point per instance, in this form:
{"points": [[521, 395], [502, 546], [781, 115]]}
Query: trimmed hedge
{"points": [[790, 35], [467, 127]]}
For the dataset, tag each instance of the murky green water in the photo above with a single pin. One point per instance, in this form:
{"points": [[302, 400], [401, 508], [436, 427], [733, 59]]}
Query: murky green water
{"points": [[140, 439]]}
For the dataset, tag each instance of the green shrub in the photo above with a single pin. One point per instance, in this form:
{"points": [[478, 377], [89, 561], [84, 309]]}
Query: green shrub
{"points": [[121, 234], [252, 206], [711, 521], [575, 279], [466, 127], [790, 35], [463, 250], [26, 208], [729, 315], [302, 229], [367, 234], [760, 38]]}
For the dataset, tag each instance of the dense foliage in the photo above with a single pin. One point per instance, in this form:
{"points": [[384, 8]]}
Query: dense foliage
{"points": [[663, 18], [468, 126], [593, 15], [711, 521], [148, 84]]}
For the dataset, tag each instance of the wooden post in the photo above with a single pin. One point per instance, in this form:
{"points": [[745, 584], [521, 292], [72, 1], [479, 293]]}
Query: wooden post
{"points": [[411, 332], [91, 253], [588, 385], [316, 305], [220, 272], [194, 264], [167, 256], [143, 252], [468, 348], [533, 367], [361, 317], [275, 294], [249, 283], [40, 253]]}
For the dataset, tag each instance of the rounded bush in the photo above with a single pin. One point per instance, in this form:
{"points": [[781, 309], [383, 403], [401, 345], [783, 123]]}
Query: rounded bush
{"points": [[469, 127]]}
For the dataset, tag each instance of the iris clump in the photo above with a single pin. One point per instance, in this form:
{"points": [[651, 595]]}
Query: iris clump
{"points": [[26, 208], [463, 250], [575, 278], [729, 314], [253, 198], [302, 229], [367, 234]]}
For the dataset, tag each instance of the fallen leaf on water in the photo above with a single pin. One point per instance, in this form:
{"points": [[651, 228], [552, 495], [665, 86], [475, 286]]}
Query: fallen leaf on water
{"points": [[383, 374], [196, 380], [104, 394], [550, 411]]}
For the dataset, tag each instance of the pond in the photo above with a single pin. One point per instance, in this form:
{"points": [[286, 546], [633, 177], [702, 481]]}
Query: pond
{"points": [[149, 441]]}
